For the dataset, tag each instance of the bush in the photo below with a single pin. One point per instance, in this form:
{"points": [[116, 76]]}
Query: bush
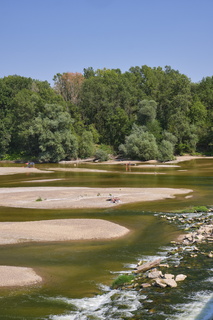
{"points": [[194, 209], [140, 145], [166, 150], [122, 279], [101, 155]]}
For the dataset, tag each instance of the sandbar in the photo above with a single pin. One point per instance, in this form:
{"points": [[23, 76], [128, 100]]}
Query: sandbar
{"points": [[81, 197], [18, 276], [20, 170], [59, 230]]}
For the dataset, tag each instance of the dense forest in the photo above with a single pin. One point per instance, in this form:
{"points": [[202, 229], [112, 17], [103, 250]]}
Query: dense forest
{"points": [[144, 113]]}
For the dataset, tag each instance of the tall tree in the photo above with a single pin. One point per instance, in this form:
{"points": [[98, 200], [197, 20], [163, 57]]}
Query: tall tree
{"points": [[69, 85]]}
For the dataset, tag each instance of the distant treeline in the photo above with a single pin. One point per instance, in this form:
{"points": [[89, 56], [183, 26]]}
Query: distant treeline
{"points": [[144, 113]]}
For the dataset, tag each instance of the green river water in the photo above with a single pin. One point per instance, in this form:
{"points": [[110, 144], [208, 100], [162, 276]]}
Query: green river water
{"points": [[73, 271]]}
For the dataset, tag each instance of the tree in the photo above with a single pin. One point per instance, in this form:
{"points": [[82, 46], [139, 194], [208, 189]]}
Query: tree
{"points": [[146, 111], [69, 85], [139, 145], [86, 145], [51, 135], [166, 151]]}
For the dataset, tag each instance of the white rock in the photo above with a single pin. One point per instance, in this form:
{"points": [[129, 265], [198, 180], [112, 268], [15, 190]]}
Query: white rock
{"points": [[180, 277]]}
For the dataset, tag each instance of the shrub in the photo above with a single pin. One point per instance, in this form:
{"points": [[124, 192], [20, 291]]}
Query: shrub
{"points": [[122, 279], [101, 155]]}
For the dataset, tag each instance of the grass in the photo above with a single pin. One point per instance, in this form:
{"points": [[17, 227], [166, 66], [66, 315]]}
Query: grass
{"points": [[122, 280], [39, 199], [194, 209]]}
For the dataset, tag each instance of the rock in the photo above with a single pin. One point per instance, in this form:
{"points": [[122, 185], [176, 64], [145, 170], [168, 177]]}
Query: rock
{"points": [[160, 283], [164, 265], [154, 274], [145, 285], [170, 283], [196, 249], [199, 237], [210, 255], [166, 282], [147, 266], [180, 277], [168, 276]]}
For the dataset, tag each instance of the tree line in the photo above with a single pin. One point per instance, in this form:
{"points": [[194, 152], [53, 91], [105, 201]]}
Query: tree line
{"points": [[144, 113]]}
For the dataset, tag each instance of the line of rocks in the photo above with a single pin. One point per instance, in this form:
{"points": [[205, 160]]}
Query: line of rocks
{"points": [[154, 273], [155, 276]]}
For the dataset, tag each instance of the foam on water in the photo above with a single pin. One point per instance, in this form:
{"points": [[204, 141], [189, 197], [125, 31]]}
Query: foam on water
{"points": [[201, 308], [113, 304]]}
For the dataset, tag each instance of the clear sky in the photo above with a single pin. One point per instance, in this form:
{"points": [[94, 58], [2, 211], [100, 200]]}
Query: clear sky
{"points": [[39, 38]]}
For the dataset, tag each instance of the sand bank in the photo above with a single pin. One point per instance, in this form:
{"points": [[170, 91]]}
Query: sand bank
{"points": [[16, 170], [59, 230], [17, 276], [188, 158], [80, 197]]}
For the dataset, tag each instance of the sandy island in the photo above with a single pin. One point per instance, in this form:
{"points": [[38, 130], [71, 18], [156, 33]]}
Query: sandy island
{"points": [[20, 170], [18, 276], [81, 197], [59, 230], [46, 231]]}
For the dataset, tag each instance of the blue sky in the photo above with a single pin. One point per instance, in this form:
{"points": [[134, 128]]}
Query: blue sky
{"points": [[40, 38]]}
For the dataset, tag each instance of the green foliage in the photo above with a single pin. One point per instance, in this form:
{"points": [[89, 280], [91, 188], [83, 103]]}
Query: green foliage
{"points": [[147, 111], [101, 155], [194, 209], [51, 135], [122, 280], [86, 145], [139, 145], [166, 151], [39, 199], [104, 106]]}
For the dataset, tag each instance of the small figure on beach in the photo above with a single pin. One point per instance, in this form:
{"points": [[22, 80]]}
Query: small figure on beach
{"points": [[30, 164]]}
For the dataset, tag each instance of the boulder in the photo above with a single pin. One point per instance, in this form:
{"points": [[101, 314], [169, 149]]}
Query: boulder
{"points": [[160, 283], [168, 276], [180, 277], [170, 283], [145, 285], [166, 282], [154, 274]]}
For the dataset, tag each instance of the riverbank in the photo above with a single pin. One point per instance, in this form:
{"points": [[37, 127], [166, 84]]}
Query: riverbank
{"points": [[81, 197]]}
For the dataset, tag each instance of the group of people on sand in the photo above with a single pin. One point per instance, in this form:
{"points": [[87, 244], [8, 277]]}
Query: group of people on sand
{"points": [[115, 200], [30, 164]]}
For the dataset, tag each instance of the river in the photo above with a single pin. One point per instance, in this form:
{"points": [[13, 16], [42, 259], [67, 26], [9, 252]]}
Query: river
{"points": [[78, 274]]}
